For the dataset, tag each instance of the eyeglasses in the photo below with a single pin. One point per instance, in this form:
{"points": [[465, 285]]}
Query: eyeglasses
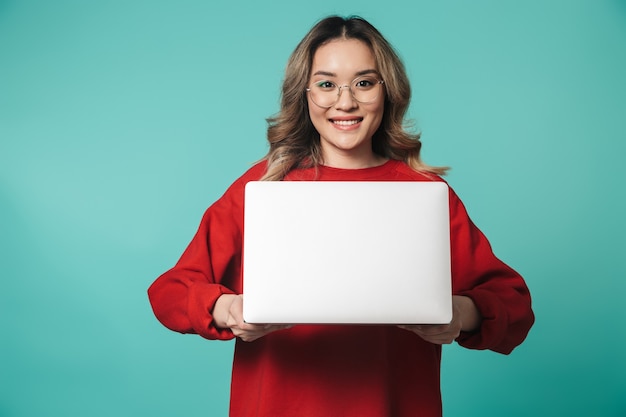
{"points": [[326, 93]]}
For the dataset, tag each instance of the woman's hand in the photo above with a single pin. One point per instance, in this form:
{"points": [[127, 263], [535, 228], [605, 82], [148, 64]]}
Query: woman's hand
{"points": [[465, 317], [228, 314]]}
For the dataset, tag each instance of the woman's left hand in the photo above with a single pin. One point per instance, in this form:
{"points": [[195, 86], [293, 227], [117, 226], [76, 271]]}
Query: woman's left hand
{"points": [[465, 317]]}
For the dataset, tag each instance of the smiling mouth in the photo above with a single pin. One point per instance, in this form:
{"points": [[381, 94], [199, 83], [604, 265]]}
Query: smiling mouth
{"points": [[346, 122]]}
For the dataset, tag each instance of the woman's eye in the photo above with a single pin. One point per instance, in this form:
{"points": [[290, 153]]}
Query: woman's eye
{"points": [[325, 85], [365, 83]]}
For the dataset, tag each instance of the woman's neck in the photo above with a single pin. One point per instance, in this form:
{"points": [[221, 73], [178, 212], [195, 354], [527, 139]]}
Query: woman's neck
{"points": [[351, 161]]}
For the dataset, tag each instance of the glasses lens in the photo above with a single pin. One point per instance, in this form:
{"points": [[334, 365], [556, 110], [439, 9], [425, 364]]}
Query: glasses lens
{"points": [[325, 93], [365, 89]]}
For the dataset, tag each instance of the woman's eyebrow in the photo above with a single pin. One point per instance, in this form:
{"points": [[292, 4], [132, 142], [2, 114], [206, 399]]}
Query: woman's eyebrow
{"points": [[358, 73], [367, 71], [325, 73]]}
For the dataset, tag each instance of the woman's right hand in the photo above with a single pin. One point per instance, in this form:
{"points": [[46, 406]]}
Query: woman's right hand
{"points": [[228, 314]]}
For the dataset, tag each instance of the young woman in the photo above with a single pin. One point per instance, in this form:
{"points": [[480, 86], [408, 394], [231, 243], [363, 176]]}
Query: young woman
{"points": [[344, 99]]}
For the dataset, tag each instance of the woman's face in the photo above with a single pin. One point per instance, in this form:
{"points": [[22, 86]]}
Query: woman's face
{"points": [[346, 128]]}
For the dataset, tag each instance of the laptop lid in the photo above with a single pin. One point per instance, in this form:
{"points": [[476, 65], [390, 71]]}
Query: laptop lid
{"points": [[346, 252]]}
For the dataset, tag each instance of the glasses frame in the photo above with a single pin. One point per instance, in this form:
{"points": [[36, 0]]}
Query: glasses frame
{"points": [[349, 87]]}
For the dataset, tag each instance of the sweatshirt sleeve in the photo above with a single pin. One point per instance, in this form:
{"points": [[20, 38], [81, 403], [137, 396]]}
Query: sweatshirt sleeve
{"points": [[499, 292], [182, 298]]}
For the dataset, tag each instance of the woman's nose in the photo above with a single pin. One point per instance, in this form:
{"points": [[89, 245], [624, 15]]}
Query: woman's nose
{"points": [[345, 99]]}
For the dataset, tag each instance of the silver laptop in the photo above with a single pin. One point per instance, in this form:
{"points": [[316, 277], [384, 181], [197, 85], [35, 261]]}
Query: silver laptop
{"points": [[346, 252]]}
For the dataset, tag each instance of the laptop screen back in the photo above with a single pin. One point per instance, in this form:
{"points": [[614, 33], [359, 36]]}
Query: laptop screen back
{"points": [[346, 252]]}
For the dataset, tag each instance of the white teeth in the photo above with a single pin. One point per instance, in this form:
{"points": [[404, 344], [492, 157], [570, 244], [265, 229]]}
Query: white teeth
{"points": [[345, 122]]}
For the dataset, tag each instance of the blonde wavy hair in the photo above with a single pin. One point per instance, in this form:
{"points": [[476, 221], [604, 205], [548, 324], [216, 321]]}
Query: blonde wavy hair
{"points": [[294, 142]]}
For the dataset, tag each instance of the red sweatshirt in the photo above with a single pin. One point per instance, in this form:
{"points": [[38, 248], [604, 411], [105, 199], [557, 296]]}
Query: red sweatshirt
{"points": [[348, 371]]}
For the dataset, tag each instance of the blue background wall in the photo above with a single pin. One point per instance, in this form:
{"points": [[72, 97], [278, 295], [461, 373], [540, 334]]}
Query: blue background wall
{"points": [[121, 121]]}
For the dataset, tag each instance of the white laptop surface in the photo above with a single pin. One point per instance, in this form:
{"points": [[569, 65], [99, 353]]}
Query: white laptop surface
{"points": [[346, 252]]}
